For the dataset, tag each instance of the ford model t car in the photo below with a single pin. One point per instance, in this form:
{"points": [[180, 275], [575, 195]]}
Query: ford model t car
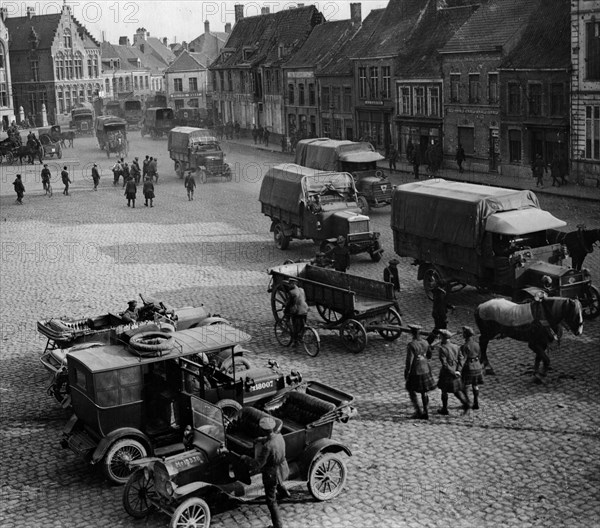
{"points": [[217, 448], [132, 398], [306, 203]]}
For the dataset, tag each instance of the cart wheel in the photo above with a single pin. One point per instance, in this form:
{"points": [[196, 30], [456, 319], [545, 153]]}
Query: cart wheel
{"points": [[137, 493], [391, 318], [328, 315], [364, 205], [191, 513], [430, 279], [283, 332], [279, 300], [353, 335], [281, 240], [327, 477], [311, 341], [375, 255], [116, 461], [591, 302]]}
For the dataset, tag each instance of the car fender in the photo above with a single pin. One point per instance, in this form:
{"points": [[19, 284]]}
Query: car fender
{"points": [[214, 320], [193, 487], [323, 445], [117, 434]]}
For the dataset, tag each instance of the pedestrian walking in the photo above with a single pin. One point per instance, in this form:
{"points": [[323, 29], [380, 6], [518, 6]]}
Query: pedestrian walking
{"points": [[126, 174], [130, 192], [340, 254], [410, 150], [555, 170], [95, 176], [472, 371], [254, 134], [46, 176], [117, 171], [390, 274], [136, 171], [539, 168], [190, 185], [392, 157], [296, 308], [148, 191], [145, 167], [460, 157], [236, 128], [416, 162], [283, 143], [19, 189], [261, 131], [271, 462], [450, 381], [266, 135], [417, 372], [66, 180], [440, 309]]}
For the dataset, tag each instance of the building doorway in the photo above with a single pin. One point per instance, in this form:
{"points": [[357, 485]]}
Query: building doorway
{"points": [[494, 149]]}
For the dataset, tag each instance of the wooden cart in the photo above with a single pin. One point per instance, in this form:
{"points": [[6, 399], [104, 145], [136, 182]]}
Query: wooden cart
{"points": [[349, 304]]}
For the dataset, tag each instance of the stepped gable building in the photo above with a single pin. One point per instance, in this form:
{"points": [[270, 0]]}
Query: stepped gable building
{"points": [[7, 112], [54, 62], [419, 83], [186, 86], [470, 64], [247, 75], [301, 87], [336, 83], [534, 91], [585, 91]]}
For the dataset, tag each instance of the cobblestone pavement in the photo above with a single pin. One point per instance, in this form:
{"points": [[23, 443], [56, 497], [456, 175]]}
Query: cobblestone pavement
{"points": [[529, 457]]}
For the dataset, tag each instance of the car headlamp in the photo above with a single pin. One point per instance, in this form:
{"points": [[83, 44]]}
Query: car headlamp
{"points": [[169, 488]]}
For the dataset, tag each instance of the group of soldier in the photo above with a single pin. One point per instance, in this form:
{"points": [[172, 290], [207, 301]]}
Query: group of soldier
{"points": [[132, 176]]}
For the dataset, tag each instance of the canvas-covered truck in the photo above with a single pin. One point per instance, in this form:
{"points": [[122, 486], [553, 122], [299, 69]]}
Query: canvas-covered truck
{"points": [[306, 203], [197, 150], [492, 238], [358, 159]]}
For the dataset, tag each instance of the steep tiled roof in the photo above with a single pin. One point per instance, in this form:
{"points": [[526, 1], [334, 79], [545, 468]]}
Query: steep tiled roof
{"points": [[256, 39], [546, 41], [124, 53], [436, 27], [324, 41], [339, 63], [187, 61], [493, 25]]}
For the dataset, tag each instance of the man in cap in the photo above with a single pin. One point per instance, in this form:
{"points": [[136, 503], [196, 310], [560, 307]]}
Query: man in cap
{"points": [[270, 461], [131, 314], [417, 372], [95, 176], [46, 179], [472, 371], [440, 309], [390, 274], [297, 308], [340, 253], [450, 376]]}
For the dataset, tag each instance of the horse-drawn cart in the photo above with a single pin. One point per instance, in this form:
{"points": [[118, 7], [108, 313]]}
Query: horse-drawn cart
{"points": [[349, 304]]}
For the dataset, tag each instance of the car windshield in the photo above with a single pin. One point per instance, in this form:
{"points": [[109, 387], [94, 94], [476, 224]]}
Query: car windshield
{"points": [[208, 419]]}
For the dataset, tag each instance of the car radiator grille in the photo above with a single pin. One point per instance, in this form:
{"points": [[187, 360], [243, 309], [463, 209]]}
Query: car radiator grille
{"points": [[380, 194], [359, 227]]}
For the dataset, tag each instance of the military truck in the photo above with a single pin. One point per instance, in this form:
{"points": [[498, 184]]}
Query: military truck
{"points": [[305, 203], [197, 150], [157, 121], [359, 159]]}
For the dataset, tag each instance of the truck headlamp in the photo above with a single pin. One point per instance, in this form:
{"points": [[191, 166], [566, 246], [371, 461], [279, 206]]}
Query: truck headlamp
{"points": [[319, 225]]}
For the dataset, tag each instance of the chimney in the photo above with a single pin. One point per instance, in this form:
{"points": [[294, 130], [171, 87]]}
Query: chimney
{"points": [[239, 12], [30, 12], [228, 27], [265, 10], [140, 35], [355, 13], [206, 27], [3, 13], [123, 41], [165, 41]]}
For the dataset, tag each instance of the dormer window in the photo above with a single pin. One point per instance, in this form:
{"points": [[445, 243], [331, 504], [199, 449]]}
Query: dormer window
{"points": [[247, 53], [68, 39], [33, 39]]}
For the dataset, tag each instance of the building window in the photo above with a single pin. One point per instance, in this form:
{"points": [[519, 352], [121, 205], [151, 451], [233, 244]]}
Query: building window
{"points": [[466, 137], [60, 67], [89, 93], [61, 102], [455, 87], [326, 126], [178, 104], [242, 82], [96, 68], [312, 96], [35, 70], [90, 65], [514, 145], [222, 81], [178, 85], [492, 88], [194, 103], [68, 40], [107, 86], [592, 71], [127, 84], [2, 56], [374, 81], [434, 101], [404, 103], [535, 99], [147, 83], [69, 68], [592, 132], [3, 95], [362, 82], [557, 99], [291, 96], [325, 98], [386, 80], [336, 98], [229, 81], [419, 98], [347, 99], [135, 83], [268, 74], [514, 99], [78, 66], [193, 84], [301, 99], [474, 88]]}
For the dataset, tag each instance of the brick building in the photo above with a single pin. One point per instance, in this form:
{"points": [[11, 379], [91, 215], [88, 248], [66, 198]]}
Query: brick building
{"points": [[186, 83], [7, 112]]}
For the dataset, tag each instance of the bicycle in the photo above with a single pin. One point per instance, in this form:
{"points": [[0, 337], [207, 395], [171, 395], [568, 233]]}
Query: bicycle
{"points": [[309, 337], [48, 188]]}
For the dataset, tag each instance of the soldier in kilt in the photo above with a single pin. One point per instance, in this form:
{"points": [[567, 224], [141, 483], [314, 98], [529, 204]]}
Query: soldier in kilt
{"points": [[450, 376], [417, 372], [472, 371]]}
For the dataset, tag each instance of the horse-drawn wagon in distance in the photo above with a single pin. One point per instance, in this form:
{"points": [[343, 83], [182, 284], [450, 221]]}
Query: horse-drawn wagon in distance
{"points": [[111, 133], [495, 239]]}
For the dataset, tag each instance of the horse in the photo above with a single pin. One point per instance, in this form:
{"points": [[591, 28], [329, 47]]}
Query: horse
{"points": [[67, 137], [538, 323], [30, 152], [579, 243]]}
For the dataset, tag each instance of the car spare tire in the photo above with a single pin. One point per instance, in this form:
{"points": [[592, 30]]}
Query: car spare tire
{"points": [[151, 344]]}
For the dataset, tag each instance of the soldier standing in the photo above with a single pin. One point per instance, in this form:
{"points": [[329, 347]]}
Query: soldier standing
{"points": [[145, 167], [297, 308], [95, 176], [148, 190], [472, 371], [130, 191], [440, 309], [340, 254], [190, 184], [450, 376], [66, 180], [417, 372], [19, 189], [46, 179], [390, 274]]}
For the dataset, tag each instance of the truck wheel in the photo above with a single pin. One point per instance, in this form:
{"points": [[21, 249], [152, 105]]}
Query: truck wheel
{"points": [[364, 205], [282, 241], [116, 461], [191, 513], [327, 477], [591, 303], [431, 277]]}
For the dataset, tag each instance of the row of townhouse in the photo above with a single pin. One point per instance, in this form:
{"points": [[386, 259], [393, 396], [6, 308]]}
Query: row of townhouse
{"points": [[507, 79]]}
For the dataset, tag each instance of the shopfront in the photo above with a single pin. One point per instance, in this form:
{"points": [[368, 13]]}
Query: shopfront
{"points": [[375, 126]]}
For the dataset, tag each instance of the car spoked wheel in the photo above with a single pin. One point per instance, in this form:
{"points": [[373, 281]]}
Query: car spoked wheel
{"points": [[192, 513], [327, 477], [137, 493], [116, 461]]}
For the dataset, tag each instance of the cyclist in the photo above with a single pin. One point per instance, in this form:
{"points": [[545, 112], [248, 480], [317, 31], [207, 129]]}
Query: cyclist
{"points": [[297, 309], [46, 179]]}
